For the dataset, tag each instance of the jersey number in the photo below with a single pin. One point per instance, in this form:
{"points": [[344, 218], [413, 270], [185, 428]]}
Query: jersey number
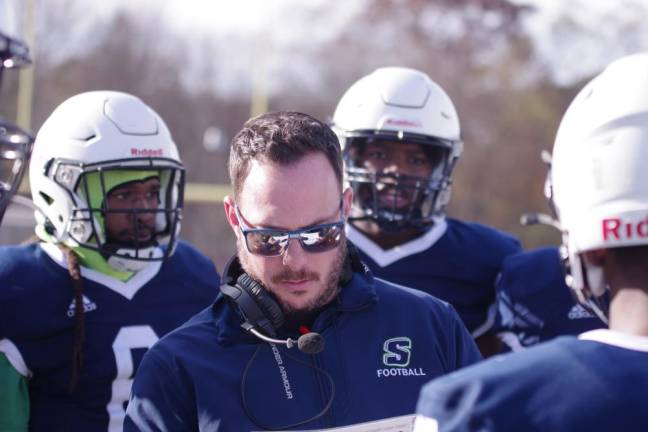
{"points": [[127, 339]]}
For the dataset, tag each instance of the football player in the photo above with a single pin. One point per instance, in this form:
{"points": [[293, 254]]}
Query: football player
{"points": [[15, 144], [533, 303], [598, 381], [401, 137], [109, 275]]}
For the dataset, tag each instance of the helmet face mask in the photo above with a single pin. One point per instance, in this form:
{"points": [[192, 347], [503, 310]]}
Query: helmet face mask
{"points": [[97, 143], [13, 51], [397, 184], [15, 144], [89, 188], [405, 111], [15, 147]]}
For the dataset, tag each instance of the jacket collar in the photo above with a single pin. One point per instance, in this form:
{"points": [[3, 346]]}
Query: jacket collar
{"points": [[357, 294]]}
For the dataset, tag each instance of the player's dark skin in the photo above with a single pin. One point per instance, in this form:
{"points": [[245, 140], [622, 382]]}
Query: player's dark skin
{"points": [[409, 159], [128, 227], [393, 157]]}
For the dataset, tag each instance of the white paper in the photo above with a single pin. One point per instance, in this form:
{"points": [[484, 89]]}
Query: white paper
{"points": [[407, 423]]}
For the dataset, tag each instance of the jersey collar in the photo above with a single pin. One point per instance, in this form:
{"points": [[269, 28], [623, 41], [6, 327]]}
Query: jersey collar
{"points": [[384, 257], [615, 338], [127, 289]]}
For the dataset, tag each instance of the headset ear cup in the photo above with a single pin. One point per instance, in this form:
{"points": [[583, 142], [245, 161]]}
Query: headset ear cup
{"points": [[354, 256], [263, 299]]}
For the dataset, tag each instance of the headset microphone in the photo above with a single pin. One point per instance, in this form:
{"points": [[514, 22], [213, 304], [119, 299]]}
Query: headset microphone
{"points": [[309, 343]]}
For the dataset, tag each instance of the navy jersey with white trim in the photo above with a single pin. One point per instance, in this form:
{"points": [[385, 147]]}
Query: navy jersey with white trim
{"points": [[455, 261], [533, 302], [121, 322], [566, 384], [382, 343]]}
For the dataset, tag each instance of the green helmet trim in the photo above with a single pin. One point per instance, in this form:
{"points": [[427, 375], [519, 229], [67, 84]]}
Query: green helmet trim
{"points": [[88, 258]]}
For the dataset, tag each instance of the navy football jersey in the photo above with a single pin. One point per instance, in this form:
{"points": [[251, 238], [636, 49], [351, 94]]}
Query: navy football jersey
{"points": [[381, 344], [534, 304], [455, 261], [122, 320], [598, 382]]}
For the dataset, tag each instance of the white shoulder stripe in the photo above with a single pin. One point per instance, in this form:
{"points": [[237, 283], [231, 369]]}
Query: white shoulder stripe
{"points": [[488, 324], [512, 341], [15, 358]]}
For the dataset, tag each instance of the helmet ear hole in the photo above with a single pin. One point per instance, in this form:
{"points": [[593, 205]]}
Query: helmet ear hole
{"points": [[48, 199]]}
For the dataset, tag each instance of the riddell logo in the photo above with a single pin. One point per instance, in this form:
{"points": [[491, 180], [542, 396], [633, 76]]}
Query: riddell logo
{"points": [[146, 152], [616, 229], [402, 122]]}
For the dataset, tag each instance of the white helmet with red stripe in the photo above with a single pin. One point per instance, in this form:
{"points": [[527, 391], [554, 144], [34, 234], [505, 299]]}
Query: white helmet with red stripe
{"points": [[398, 105], [599, 174], [91, 143]]}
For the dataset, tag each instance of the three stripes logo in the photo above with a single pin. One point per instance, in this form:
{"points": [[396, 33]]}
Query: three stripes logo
{"points": [[88, 306]]}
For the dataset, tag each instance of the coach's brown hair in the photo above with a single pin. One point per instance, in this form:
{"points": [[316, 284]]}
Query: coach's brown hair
{"points": [[282, 137]]}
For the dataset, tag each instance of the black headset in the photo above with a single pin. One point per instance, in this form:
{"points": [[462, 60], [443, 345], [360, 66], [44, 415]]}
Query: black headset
{"points": [[257, 306], [253, 302]]}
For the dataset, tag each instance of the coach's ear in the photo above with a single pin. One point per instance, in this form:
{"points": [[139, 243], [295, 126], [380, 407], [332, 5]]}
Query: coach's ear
{"points": [[347, 202], [230, 214]]}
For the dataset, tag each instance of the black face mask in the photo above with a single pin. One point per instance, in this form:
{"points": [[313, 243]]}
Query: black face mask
{"points": [[15, 148], [397, 201]]}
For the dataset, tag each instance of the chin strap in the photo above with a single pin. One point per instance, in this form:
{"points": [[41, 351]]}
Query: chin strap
{"points": [[123, 264], [597, 287]]}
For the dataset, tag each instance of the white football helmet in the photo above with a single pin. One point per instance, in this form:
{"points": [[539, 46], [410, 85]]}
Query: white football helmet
{"points": [[599, 175], [87, 142], [398, 105], [15, 143]]}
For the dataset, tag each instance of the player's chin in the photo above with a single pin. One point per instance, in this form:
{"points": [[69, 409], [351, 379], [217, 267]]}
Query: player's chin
{"points": [[141, 235]]}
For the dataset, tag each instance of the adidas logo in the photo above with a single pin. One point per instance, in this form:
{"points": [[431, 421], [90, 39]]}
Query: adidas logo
{"points": [[88, 306], [579, 312]]}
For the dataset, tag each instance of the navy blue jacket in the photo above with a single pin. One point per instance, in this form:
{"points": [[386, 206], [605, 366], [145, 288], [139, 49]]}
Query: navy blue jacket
{"points": [[566, 384], [382, 343]]}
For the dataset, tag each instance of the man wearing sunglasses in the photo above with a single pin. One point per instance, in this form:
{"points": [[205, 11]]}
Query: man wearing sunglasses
{"points": [[365, 346]]}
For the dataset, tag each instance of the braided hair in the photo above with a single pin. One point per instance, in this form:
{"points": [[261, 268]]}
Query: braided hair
{"points": [[74, 269]]}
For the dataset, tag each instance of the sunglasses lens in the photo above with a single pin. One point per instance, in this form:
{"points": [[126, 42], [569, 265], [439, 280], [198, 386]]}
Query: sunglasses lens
{"points": [[266, 244], [322, 239]]}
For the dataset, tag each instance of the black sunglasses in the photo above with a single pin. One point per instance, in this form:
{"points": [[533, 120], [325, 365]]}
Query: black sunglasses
{"points": [[272, 242]]}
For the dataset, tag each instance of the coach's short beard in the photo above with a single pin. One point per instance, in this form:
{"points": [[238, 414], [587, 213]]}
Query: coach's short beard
{"points": [[332, 280]]}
